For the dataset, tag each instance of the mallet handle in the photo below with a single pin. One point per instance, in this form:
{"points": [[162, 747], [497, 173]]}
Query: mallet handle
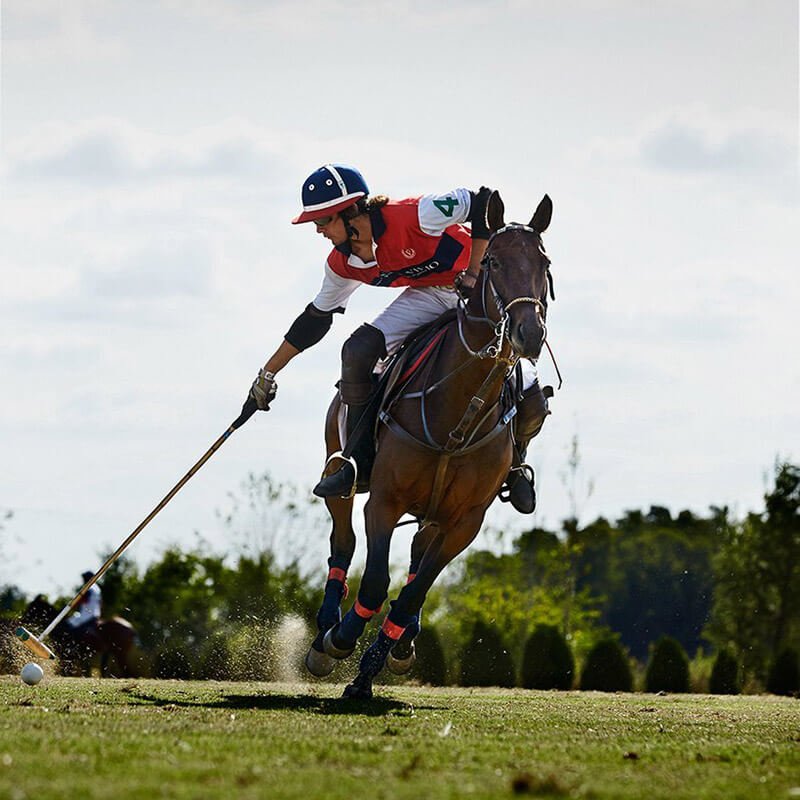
{"points": [[248, 409]]}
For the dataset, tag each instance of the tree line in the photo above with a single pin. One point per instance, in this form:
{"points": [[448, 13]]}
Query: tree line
{"points": [[705, 594]]}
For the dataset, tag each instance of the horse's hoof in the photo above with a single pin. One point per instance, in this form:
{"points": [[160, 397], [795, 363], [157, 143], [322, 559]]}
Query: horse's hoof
{"points": [[358, 690], [332, 650], [319, 664], [401, 665]]}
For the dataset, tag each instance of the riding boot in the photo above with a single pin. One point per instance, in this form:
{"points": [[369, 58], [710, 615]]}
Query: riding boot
{"points": [[342, 483], [532, 410], [360, 353]]}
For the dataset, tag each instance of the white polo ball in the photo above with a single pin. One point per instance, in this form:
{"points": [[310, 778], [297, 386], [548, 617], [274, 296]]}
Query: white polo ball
{"points": [[31, 674]]}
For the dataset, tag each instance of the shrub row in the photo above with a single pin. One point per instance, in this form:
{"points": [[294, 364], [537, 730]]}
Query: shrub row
{"points": [[548, 663]]}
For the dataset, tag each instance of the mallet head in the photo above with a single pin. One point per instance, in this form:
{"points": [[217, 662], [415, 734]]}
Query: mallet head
{"points": [[33, 644]]}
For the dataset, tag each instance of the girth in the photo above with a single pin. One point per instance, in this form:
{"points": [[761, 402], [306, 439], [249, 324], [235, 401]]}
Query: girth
{"points": [[463, 433]]}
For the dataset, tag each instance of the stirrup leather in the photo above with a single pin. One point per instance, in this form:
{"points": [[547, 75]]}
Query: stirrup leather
{"points": [[342, 457], [505, 490]]}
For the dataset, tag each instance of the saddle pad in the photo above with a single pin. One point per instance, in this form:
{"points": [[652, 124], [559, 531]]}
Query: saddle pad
{"points": [[415, 350]]}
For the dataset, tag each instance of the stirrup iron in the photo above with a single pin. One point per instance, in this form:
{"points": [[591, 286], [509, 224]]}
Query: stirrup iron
{"points": [[527, 474], [340, 455]]}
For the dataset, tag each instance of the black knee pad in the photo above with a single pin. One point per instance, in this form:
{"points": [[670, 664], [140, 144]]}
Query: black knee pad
{"points": [[360, 354]]}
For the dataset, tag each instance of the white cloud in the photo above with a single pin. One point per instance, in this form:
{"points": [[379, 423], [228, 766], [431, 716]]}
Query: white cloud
{"points": [[172, 268], [314, 17], [105, 151], [748, 145], [50, 31], [685, 147]]}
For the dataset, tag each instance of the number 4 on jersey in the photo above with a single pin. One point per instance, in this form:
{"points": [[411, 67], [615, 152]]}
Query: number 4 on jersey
{"points": [[446, 205]]}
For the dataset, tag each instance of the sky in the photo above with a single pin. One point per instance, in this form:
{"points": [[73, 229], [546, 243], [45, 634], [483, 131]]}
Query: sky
{"points": [[152, 154]]}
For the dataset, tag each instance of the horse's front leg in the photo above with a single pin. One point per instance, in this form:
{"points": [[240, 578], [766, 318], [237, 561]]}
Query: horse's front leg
{"points": [[343, 543], [381, 519], [403, 655], [404, 614]]}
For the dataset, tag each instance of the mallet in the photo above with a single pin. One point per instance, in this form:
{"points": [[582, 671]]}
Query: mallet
{"points": [[35, 643]]}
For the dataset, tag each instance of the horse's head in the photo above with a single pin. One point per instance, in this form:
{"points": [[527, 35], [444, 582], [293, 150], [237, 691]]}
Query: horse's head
{"points": [[517, 278]]}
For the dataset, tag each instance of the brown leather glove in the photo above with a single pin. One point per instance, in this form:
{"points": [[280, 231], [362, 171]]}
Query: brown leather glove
{"points": [[264, 389]]}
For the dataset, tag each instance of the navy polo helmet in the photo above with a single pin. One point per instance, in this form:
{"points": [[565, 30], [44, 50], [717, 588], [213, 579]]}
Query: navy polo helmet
{"points": [[331, 188]]}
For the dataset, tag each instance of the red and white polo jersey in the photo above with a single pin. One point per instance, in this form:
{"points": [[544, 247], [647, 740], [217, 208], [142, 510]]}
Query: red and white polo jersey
{"points": [[420, 241]]}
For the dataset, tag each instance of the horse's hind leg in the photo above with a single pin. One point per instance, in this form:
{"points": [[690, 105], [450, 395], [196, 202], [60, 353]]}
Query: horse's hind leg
{"points": [[381, 519], [343, 543]]}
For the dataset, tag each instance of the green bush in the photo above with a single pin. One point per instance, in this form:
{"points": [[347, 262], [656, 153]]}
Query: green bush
{"points": [[215, 659], [485, 661], [784, 675], [699, 672], [724, 675], [607, 668], [547, 661], [430, 664], [251, 653], [668, 668], [12, 602]]}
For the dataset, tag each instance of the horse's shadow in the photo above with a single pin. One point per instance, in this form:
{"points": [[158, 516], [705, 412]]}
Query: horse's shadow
{"points": [[376, 707]]}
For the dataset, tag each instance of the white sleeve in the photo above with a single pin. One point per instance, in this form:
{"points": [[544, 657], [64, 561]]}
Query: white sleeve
{"points": [[94, 602], [335, 291], [440, 211]]}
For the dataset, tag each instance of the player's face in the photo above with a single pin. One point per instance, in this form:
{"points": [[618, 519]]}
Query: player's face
{"points": [[332, 228]]}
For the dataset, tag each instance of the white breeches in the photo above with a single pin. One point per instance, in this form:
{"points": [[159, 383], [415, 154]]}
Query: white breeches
{"points": [[418, 306]]}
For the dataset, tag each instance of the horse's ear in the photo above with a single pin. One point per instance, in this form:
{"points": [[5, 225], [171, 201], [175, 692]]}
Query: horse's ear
{"points": [[495, 209], [541, 217]]}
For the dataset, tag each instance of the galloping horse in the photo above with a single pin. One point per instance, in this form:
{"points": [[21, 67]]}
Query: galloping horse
{"points": [[115, 639], [444, 448]]}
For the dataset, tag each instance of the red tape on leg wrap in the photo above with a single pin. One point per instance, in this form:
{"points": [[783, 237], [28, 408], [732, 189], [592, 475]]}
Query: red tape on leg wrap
{"points": [[363, 611], [391, 630], [337, 574]]}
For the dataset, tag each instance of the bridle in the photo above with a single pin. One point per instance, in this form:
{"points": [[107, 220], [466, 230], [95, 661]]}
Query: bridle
{"points": [[495, 346]]}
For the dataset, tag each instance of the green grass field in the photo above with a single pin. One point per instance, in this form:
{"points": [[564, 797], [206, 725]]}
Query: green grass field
{"points": [[87, 738]]}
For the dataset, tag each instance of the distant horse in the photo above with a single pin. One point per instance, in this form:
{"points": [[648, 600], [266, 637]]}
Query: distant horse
{"points": [[114, 642], [444, 447]]}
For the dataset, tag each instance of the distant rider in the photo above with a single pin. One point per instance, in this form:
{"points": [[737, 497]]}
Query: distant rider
{"points": [[82, 624]]}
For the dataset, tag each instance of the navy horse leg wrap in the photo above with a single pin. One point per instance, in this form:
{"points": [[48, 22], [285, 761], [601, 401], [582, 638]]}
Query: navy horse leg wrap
{"points": [[375, 656], [354, 622]]}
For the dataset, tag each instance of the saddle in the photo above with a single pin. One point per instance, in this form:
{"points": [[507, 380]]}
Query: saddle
{"points": [[418, 350]]}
